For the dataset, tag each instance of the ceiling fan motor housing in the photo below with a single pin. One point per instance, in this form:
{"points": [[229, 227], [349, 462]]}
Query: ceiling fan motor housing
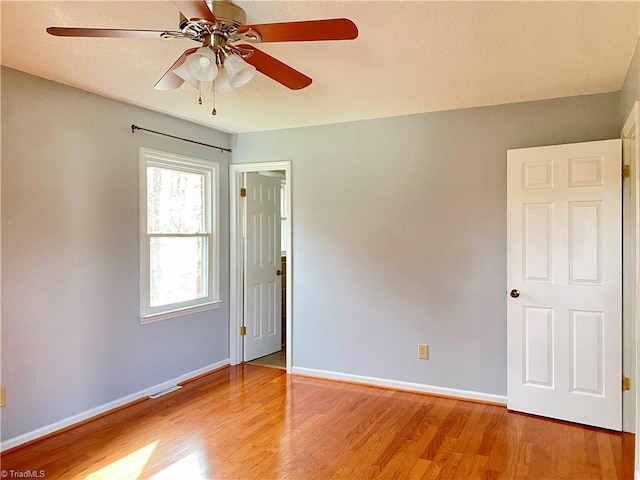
{"points": [[229, 15]]}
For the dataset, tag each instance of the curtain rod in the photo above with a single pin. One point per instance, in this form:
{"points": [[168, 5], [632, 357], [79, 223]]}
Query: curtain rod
{"points": [[135, 127]]}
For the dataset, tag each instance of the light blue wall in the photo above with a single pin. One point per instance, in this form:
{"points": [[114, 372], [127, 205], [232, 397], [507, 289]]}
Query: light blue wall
{"points": [[71, 336], [399, 235]]}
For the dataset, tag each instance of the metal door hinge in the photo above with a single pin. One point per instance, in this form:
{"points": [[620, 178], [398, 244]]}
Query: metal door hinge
{"points": [[626, 383], [243, 330], [243, 192], [626, 171]]}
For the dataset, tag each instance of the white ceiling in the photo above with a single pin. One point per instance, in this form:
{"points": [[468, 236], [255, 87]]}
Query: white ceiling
{"points": [[410, 57]]}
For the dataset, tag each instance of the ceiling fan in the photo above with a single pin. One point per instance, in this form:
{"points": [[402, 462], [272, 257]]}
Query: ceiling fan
{"points": [[219, 27]]}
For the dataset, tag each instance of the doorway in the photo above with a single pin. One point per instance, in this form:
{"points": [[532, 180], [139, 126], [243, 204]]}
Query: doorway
{"points": [[240, 313]]}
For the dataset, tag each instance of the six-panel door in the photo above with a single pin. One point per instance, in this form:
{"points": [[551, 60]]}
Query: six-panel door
{"points": [[564, 258], [262, 306]]}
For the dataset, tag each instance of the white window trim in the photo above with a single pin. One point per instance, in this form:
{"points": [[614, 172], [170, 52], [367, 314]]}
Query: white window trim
{"points": [[179, 162]]}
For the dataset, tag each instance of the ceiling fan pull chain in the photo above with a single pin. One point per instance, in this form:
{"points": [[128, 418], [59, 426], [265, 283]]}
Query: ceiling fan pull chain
{"points": [[199, 93], [213, 89]]}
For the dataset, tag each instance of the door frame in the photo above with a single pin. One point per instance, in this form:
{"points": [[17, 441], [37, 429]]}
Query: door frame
{"points": [[630, 132], [236, 264]]}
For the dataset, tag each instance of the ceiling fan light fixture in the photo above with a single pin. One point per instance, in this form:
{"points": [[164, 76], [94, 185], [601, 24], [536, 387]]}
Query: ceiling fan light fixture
{"points": [[201, 65], [184, 74], [238, 71]]}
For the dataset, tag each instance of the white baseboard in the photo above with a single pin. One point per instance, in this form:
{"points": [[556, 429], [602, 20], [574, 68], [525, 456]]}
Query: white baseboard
{"points": [[88, 414], [399, 385]]}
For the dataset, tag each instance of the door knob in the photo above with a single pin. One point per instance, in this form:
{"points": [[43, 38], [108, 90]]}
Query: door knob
{"points": [[515, 293], [278, 273]]}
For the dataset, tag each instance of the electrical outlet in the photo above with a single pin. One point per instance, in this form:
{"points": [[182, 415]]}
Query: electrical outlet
{"points": [[423, 351], [3, 396]]}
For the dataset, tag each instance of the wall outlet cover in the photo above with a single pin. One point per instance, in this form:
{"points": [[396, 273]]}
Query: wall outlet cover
{"points": [[423, 351]]}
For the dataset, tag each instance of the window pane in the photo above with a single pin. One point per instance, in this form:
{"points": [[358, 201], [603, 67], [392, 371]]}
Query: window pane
{"points": [[175, 201], [178, 269]]}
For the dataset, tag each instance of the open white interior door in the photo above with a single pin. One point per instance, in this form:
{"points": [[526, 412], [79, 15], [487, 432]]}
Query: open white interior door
{"points": [[564, 312], [263, 290]]}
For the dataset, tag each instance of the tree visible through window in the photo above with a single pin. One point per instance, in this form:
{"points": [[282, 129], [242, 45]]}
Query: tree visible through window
{"points": [[178, 234]]}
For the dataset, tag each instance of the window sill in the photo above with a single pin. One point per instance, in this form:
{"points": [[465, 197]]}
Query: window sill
{"points": [[156, 317]]}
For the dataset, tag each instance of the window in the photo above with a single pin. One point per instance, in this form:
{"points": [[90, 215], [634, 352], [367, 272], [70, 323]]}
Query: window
{"points": [[178, 235]]}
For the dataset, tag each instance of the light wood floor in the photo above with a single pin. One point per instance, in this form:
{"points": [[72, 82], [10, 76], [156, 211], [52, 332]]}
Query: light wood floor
{"points": [[275, 360], [252, 422]]}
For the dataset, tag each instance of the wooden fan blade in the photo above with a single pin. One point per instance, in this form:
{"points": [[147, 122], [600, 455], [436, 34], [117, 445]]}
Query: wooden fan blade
{"points": [[305, 31], [195, 10], [106, 32], [170, 80], [275, 69]]}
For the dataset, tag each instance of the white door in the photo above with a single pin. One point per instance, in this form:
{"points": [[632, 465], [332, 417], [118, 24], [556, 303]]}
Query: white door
{"points": [[262, 296], [564, 312]]}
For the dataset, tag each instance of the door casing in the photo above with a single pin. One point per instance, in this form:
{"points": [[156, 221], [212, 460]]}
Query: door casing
{"points": [[630, 134], [236, 247], [630, 270]]}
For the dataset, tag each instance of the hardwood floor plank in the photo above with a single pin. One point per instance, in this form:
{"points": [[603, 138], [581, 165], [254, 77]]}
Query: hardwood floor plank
{"points": [[409, 442], [624, 449], [468, 446], [494, 419], [419, 469], [250, 422], [606, 457]]}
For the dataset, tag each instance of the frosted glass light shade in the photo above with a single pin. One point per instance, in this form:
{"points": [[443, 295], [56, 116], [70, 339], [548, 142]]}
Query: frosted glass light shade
{"points": [[201, 65], [238, 71], [222, 82], [184, 74]]}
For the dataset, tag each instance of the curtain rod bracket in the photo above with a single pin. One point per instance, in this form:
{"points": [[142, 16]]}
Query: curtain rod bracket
{"points": [[134, 127]]}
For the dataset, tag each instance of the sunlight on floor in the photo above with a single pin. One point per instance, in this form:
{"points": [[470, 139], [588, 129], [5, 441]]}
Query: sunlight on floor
{"points": [[130, 466], [190, 467]]}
